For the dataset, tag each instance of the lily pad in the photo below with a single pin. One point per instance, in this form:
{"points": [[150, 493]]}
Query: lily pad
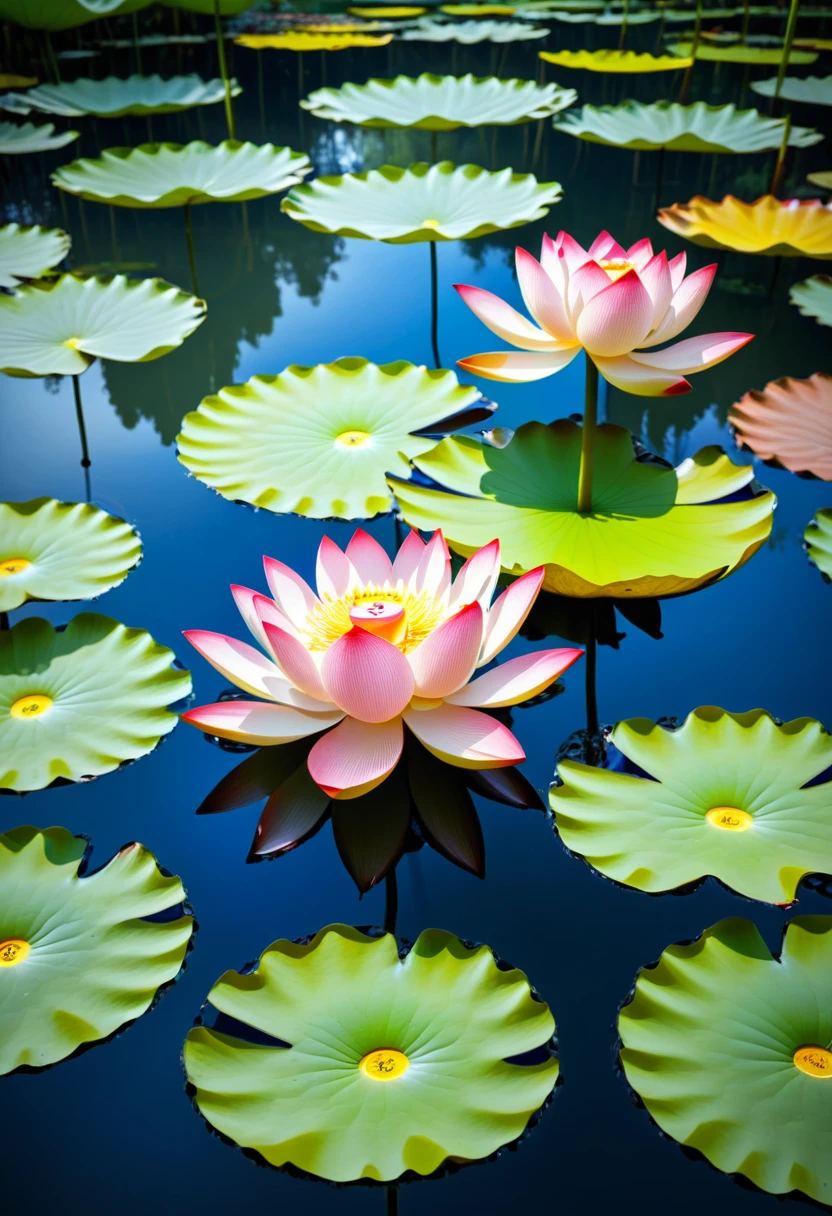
{"points": [[653, 531], [28, 137], [694, 128], [390, 10], [443, 202], [471, 32], [319, 440], [59, 327], [789, 422], [794, 228], [728, 1048], [818, 540], [390, 1063], [80, 701], [822, 179], [298, 40], [64, 14], [114, 97], [741, 53], [173, 175], [724, 794], [477, 10], [9, 80], [615, 61], [813, 298], [79, 956], [52, 550], [814, 90], [28, 251], [439, 103]]}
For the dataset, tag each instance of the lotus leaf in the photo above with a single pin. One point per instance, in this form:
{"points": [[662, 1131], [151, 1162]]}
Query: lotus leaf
{"points": [[52, 550], [57, 328], [653, 531], [79, 958], [615, 61], [794, 228], [297, 40], [470, 32], [227, 8], [390, 1063], [8, 80], [728, 1048], [818, 539], [381, 10], [813, 297], [790, 422], [78, 702], [724, 794], [742, 53], [319, 440], [694, 128], [477, 10], [114, 97], [443, 202], [176, 175], [27, 137], [27, 251], [63, 14], [814, 90], [814, 44], [822, 179], [439, 103]]}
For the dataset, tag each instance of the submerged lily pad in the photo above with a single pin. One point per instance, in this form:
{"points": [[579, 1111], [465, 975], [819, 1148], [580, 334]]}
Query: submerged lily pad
{"points": [[439, 103], [653, 530], [814, 90], [80, 701], [724, 794], [28, 137], [52, 550], [471, 32], [794, 228], [319, 440], [443, 202], [114, 97], [299, 40], [58, 328], [28, 251], [79, 956], [742, 53], [615, 61], [813, 298], [728, 1047], [818, 539], [390, 1063], [173, 175], [789, 422]]}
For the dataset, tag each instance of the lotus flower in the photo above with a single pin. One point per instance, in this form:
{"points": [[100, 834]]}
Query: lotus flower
{"points": [[382, 645], [613, 303]]}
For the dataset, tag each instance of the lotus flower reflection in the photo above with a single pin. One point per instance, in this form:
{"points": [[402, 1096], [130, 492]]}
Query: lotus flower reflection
{"points": [[382, 644], [614, 303]]}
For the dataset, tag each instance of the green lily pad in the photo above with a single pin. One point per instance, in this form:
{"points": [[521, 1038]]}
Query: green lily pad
{"points": [[439, 103], [761, 56], [653, 531], [471, 32], [27, 251], [114, 97], [319, 440], [818, 540], [725, 794], [58, 327], [813, 298], [391, 1064], [694, 128], [814, 90], [52, 550], [79, 959], [64, 14], [27, 137], [728, 1048], [173, 175], [443, 202], [78, 702]]}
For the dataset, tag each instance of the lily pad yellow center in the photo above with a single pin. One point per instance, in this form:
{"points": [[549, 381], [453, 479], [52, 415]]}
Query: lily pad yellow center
{"points": [[431, 223], [729, 818], [31, 706], [13, 951], [385, 1064], [615, 267], [72, 343], [814, 1061], [353, 439], [13, 565]]}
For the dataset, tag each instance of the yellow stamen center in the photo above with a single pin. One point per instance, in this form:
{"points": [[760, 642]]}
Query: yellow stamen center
{"points": [[431, 223], [13, 565], [615, 267], [730, 818], [353, 439], [814, 1061], [31, 706], [383, 617], [402, 616], [13, 951], [385, 1064]]}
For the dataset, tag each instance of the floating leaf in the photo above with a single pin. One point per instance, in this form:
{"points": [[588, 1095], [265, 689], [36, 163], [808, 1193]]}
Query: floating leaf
{"points": [[28, 251], [615, 61], [114, 97], [64, 14], [794, 228], [27, 137], [813, 298], [742, 53], [470, 32], [297, 40], [477, 10], [814, 90], [789, 422], [8, 80], [391, 10], [823, 179], [818, 538]]}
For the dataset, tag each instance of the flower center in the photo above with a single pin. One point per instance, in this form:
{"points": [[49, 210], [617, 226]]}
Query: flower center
{"points": [[13, 951], [72, 343], [30, 706], [814, 1061], [353, 439], [13, 565], [615, 267], [384, 617], [431, 223], [385, 1064], [730, 818], [403, 617]]}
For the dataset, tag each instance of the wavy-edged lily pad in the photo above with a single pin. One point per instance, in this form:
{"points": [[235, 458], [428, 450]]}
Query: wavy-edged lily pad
{"points": [[79, 956], [442, 202], [64, 14], [387, 10], [298, 40], [694, 128], [52, 550], [319, 440], [791, 228], [822, 179], [789, 422], [615, 61], [471, 32], [724, 794], [114, 97], [439, 103], [78, 702], [813, 298], [10, 80], [420, 1068], [477, 10], [742, 53], [653, 530], [728, 1047], [814, 90], [176, 175], [59, 327], [818, 540], [27, 251], [17, 138]]}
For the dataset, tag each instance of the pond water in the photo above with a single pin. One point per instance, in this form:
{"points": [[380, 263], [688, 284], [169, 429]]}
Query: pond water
{"points": [[114, 1128]]}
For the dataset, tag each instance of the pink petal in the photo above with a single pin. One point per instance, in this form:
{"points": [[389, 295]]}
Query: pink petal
{"points": [[553, 261], [267, 612], [478, 577], [605, 248], [407, 558], [617, 319], [504, 321], [685, 304], [542, 298], [335, 573], [291, 593], [509, 612], [368, 557], [240, 663], [694, 354], [465, 737], [433, 573], [447, 657], [641, 381], [587, 281], [356, 757], [677, 267], [261, 723], [296, 663], [655, 279], [640, 253], [367, 677], [573, 254], [248, 601], [520, 368], [516, 680]]}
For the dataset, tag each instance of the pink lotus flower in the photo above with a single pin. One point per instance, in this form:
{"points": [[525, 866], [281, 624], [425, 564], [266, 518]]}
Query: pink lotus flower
{"points": [[614, 303], [381, 645]]}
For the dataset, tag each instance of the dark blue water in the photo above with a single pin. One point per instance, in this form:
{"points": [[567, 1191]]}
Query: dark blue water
{"points": [[113, 1129]]}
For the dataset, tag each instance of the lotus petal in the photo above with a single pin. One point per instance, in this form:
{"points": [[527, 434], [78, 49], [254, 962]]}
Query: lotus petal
{"points": [[261, 723], [517, 680], [464, 737], [356, 757]]}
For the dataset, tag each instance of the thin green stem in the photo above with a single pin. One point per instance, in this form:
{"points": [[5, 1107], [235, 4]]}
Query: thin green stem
{"points": [[791, 27], [391, 901], [697, 31], [746, 20], [137, 46], [52, 58], [434, 304], [588, 439], [590, 671], [622, 37], [82, 430], [780, 164], [229, 112], [191, 255]]}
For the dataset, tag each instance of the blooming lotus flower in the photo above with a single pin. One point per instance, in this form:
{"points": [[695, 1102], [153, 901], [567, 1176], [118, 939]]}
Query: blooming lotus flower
{"points": [[616, 304], [382, 645]]}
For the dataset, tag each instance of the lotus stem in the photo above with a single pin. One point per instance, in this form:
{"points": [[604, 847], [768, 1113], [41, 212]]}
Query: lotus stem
{"points": [[659, 176], [52, 58], [780, 164], [434, 140], [588, 438], [622, 37], [229, 112], [697, 30], [590, 670], [434, 305], [191, 255], [82, 430], [391, 902], [746, 20], [136, 44], [660, 32], [392, 1200], [538, 143], [791, 26], [503, 58]]}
